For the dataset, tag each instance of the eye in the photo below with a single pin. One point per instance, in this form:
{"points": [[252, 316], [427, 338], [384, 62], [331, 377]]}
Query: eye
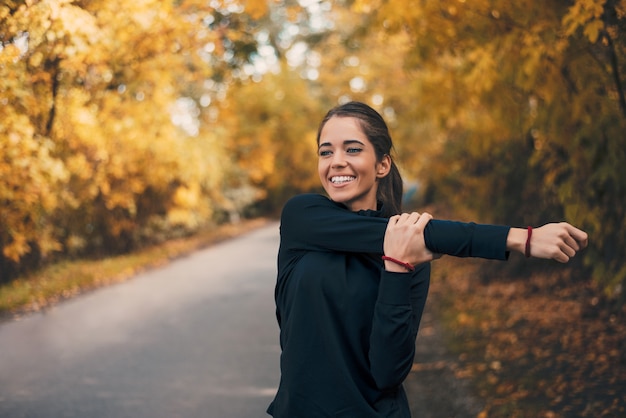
{"points": [[325, 153], [354, 150]]}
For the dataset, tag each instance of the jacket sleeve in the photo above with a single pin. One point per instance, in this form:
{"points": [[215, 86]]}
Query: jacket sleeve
{"points": [[313, 222], [397, 315]]}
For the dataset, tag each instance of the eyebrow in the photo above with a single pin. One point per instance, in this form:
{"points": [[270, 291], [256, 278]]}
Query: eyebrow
{"points": [[346, 142]]}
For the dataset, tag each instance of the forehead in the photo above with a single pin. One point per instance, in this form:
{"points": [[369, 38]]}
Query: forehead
{"points": [[339, 129]]}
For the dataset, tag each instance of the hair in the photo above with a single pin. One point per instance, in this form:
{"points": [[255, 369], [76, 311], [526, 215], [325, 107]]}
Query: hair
{"points": [[389, 191]]}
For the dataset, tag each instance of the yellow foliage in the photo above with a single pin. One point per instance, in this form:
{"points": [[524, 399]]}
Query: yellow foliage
{"points": [[496, 104], [17, 247], [481, 62], [592, 30], [586, 14], [189, 207], [87, 141], [256, 8], [365, 6], [30, 186], [187, 196], [474, 92]]}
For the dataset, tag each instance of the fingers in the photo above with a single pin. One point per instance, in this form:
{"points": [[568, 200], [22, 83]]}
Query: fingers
{"points": [[415, 221], [404, 238], [574, 240], [580, 236], [570, 242], [569, 250], [423, 220], [402, 220], [564, 254], [413, 217], [560, 242], [561, 258], [420, 220]]}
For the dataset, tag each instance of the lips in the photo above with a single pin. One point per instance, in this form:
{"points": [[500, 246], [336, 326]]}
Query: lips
{"points": [[342, 179]]}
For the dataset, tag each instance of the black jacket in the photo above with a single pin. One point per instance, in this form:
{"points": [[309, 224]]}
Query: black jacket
{"points": [[347, 326]]}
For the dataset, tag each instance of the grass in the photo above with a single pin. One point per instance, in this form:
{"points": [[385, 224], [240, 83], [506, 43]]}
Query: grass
{"points": [[66, 279]]}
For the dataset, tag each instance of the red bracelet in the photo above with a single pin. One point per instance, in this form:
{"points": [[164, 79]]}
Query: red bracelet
{"points": [[407, 266], [530, 234]]}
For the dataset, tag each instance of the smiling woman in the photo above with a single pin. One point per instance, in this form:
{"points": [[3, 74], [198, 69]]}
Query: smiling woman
{"points": [[348, 166], [353, 274], [358, 123]]}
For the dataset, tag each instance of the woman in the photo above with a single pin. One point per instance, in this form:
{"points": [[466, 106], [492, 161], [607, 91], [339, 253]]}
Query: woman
{"points": [[353, 274]]}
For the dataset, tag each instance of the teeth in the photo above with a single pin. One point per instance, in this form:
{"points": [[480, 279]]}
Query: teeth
{"points": [[342, 179]]}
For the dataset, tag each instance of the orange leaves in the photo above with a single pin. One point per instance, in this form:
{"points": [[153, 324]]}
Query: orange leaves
{"points": [[256, 8], [533, 346], [586, 14]]}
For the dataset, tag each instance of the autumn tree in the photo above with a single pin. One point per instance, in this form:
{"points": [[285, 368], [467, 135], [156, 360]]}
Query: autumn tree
{"points": [[109, 134], [519, 109], [126, 123]]}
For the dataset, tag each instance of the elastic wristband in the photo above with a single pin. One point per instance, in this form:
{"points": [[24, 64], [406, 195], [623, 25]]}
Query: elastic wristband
{"points": [[530, 234], [407, 266]]}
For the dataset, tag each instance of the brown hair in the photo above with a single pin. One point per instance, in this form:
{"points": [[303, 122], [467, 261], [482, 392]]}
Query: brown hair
{"points": [[375, 129]]}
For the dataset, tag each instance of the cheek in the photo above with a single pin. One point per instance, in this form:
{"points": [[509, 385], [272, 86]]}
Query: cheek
{"points": [[321, 168]]}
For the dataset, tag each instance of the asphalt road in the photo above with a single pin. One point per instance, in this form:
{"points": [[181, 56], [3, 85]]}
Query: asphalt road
{"points": [[196, 338]]}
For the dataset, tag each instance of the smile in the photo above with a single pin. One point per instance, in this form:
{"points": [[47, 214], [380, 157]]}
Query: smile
{"points": [[341, 179]]}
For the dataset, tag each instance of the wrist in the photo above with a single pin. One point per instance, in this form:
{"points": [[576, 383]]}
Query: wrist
{"points": [[516, 240], [394, 268], [527, 245], [394, 265]]}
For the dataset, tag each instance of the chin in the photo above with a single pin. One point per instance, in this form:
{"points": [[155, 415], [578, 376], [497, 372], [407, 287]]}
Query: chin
{"points": [[337, 199]]}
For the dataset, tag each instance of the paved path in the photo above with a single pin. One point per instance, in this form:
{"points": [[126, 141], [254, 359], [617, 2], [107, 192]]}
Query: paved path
{"points": [[196, 338]]}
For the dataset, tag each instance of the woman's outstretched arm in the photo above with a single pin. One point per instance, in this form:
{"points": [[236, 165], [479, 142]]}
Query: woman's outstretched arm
{"points": [[313, 222]]}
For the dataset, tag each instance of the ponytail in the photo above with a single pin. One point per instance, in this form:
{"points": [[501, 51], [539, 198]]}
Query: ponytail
{"points": [[390, 192]]}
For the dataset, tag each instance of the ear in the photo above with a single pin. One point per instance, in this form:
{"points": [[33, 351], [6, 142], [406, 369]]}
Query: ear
{"points": [[383, 167]]}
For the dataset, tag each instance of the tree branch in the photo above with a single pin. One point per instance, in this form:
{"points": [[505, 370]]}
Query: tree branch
{"points": [[616, 74], [52, 66], [611, 18]]}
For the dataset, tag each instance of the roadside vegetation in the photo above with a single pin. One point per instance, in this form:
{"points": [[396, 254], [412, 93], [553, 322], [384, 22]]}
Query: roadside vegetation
{"points": [[42, 289], [130, 130], [536, 345]]}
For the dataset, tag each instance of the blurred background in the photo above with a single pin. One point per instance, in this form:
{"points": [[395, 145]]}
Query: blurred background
{"points": [[126, 124]]}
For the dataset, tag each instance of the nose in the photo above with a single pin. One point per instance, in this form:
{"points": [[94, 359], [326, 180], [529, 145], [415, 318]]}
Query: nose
{"points": [[338, 160]]}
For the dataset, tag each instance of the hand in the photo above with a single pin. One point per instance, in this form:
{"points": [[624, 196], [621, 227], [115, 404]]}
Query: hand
{"points": [[557, 241], [404, 240]]}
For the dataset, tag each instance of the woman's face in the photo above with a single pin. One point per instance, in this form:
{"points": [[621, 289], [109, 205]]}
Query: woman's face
{"points": [[347, 164]]}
